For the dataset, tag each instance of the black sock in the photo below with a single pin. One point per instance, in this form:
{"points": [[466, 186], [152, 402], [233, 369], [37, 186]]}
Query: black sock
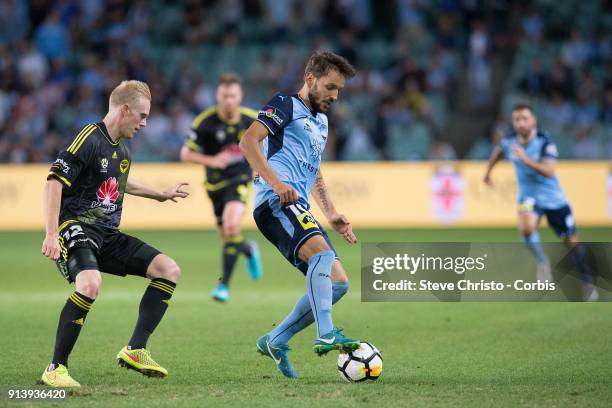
{"points": [[71, 320], [152, 308], [230, 256]]}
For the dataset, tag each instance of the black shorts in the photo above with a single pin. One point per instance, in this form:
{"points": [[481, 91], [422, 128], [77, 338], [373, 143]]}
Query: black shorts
{"points": [[288, 228], [233, 192], [116, 253], [561, 220]]}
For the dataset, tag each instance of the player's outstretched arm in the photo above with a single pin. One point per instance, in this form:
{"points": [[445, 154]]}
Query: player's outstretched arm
{"points": [[135, 187], [495, 157], [338, 221], [52, 199], [249, 146], [218, 161]]}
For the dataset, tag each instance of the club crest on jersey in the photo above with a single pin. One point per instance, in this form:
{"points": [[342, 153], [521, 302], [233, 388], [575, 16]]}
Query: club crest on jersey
{"points": [[107, 195], [307, 127], [124, 165], [104, 165], [220, 135]]}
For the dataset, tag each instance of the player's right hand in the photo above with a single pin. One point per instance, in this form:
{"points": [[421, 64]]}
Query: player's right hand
{"points": [[286, 193], [487, 180], [219, 161], [51, 247]]}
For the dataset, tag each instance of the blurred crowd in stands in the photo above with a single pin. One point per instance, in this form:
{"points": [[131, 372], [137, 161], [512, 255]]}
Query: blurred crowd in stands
{"points": [[421, 64]]}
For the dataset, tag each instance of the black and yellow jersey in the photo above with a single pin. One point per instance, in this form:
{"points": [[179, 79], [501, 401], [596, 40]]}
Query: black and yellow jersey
{"points": [[94, 171], [210, 135]]}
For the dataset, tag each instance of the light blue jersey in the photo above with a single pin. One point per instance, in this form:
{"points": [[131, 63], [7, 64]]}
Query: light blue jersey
{"points": [[296, 139], [534, 188]]}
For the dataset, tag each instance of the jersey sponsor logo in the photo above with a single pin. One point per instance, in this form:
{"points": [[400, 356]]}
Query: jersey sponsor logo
{"points": [[107, 194], [273, 114], [308, 166], [124, 165]]}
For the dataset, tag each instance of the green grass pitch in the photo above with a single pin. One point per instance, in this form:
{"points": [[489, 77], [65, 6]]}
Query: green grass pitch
{"points": [[435, 354]]}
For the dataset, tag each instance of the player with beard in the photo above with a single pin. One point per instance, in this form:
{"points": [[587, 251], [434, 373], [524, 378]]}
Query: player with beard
{"points": [[292, 130], [534, 155]]}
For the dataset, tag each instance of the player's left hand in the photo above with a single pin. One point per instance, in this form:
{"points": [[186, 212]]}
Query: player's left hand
{"points": [[343, 226], [173, 193], [519, 152]]}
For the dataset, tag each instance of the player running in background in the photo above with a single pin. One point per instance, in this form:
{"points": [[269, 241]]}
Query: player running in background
{"points": [[83, 201], [213, 142], [293, 131], [534, 156]]}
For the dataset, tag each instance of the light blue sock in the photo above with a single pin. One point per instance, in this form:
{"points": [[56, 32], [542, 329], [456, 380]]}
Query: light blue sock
{"points": [[533, 243], [319, 290], [301, 316]]}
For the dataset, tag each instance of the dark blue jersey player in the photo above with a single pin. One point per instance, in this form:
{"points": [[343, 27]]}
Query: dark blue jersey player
{"points": [[534, 154], [293, 130]]}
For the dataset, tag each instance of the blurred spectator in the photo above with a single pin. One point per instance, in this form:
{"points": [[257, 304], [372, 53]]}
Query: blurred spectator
{"points": [[52, 37], [32, 66], [575, 50], [441, 151], [380, 133], [535, 80], [479, 68], [558, 114], [532, 25], [585, 147], [585, 111], [606, 107]]}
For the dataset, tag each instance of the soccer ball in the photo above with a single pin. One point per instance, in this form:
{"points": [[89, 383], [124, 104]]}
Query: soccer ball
{"points": [[363, 364]]}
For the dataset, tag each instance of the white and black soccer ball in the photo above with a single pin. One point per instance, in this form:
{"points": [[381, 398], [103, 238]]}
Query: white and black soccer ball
{"points": [[363, 364]]}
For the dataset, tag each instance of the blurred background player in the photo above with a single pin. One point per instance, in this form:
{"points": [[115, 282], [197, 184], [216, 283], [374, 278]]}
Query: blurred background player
{"points": [[213, 142], [534, 155], [293, 131], [83, 202]]}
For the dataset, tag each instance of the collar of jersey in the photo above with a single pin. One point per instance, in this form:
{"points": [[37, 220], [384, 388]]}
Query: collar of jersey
{"points": [[313, 113], [104, 131]]}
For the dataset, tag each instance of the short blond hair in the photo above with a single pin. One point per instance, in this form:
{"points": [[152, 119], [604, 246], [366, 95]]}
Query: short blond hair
{"points": [[127, 92]]}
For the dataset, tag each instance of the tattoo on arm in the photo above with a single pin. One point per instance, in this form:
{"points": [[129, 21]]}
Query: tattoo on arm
{"points": [[322, 191]]}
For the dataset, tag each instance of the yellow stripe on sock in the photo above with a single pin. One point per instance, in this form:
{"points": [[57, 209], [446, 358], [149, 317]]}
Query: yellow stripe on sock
{"points": [[77, 147], [163, 285], [79, 302], [162, 288], [82, 299], [236, 239], [78, 137], [170, 287]]}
